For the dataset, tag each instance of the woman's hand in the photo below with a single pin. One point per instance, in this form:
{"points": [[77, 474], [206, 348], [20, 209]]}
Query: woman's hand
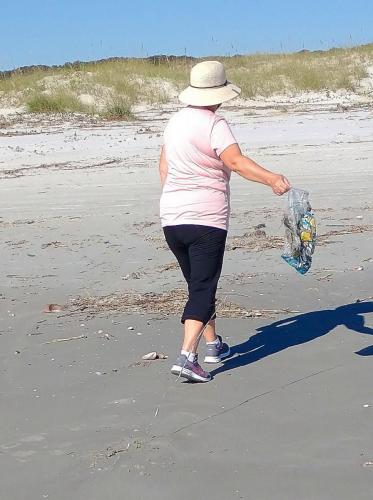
{"points": [[279, 184]]}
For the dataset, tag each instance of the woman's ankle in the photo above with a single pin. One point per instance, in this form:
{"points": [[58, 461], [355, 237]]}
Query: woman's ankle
{"points": [[191, 356]]}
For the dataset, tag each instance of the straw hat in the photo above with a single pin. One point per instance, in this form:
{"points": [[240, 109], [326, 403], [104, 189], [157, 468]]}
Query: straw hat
{"points": [[208, 85]]}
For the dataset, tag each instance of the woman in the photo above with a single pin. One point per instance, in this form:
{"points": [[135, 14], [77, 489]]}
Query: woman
{"points": [[196, 161]]}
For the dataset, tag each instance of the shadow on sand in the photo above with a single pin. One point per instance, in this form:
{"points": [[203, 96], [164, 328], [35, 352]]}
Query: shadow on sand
{"points": [[298, 330]]}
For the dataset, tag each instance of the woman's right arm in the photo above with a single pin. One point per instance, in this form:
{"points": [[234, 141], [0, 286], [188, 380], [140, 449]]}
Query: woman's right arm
{"points": [[250, 170], [163, 168]]}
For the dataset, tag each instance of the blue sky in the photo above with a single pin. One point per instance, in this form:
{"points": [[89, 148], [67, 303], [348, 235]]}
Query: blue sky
{"points": [[53, 32]]}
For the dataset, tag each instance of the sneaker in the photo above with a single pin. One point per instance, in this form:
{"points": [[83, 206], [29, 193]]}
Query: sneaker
{"points": [[216, 352], [191, 370]]}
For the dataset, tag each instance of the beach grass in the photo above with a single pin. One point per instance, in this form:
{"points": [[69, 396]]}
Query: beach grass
{"points": [[114, 87], [59, 102], [266, 75], [118, 109]]}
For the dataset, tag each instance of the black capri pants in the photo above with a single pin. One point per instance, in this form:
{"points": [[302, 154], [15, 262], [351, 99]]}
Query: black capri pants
{"points": [[199, 251]]}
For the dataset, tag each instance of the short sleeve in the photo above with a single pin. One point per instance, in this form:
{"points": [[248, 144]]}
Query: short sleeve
{"points": [[221, 136]]}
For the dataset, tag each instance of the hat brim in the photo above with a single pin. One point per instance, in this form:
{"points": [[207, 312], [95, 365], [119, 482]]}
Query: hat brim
{"points": [[209, 96]]}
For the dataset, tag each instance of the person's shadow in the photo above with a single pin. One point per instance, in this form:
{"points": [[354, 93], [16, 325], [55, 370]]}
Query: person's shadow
{"points": [[298, 330]]}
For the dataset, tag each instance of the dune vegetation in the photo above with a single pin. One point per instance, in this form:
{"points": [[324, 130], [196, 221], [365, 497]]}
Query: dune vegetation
{"points": [[112, 88]]}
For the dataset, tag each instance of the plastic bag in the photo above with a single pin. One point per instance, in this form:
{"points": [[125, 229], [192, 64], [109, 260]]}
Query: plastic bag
{"points": [[300, 231]]}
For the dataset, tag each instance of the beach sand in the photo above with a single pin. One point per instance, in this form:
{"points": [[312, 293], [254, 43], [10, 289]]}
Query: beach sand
{"points": [[288, 417]]}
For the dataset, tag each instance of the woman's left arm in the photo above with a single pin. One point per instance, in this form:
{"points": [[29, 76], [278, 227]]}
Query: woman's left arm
{"points": [[250, 170], [163, 168]]}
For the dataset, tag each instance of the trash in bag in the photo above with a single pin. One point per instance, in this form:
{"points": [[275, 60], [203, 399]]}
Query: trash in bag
{"points": [[300, 231]]}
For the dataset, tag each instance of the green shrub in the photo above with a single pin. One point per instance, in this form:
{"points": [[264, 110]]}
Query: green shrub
{"points": [[118, 109], [59, 102]]}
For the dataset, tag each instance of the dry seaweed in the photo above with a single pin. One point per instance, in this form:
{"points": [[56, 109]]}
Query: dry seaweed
{"points": [[169, 303], [255, 241], [325, 239]]}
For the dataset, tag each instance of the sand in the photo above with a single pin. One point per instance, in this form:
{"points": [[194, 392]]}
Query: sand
{"points": [[288, 417]]}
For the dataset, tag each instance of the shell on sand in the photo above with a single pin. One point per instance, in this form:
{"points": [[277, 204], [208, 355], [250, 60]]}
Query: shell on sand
{"points": [[154, 355], [161, 355], [150, 356], [52, 308]]}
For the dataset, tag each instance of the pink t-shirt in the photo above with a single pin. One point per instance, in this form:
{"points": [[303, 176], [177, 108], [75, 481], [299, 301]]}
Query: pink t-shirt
{"points": [[196, 190]]}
